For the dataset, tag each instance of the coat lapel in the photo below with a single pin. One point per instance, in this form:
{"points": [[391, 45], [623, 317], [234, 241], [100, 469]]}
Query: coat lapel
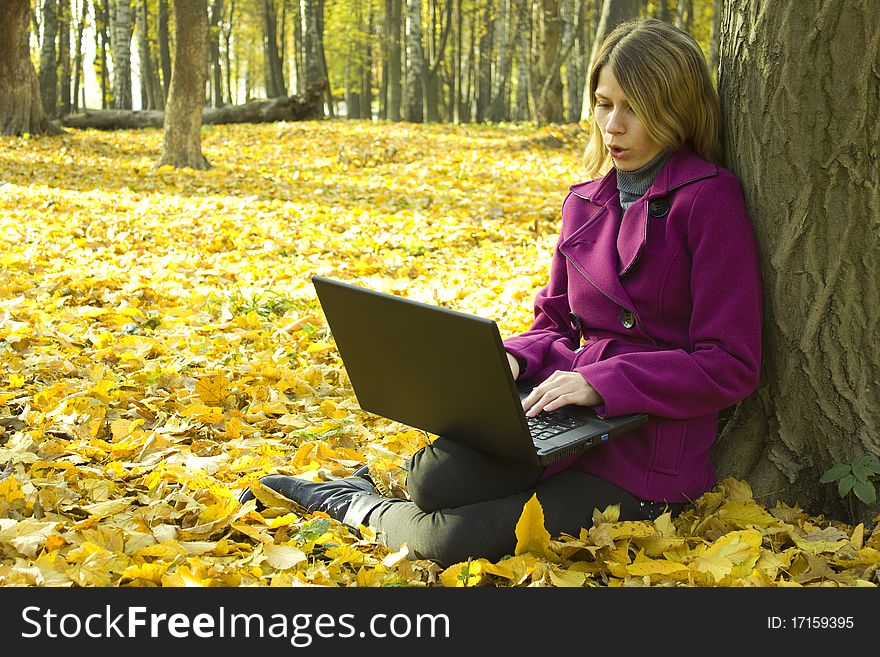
{"points": [[609, 242], [592, 248]]}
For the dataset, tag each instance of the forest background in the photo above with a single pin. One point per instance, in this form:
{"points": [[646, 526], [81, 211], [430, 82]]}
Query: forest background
{"points": [[162, 347]]}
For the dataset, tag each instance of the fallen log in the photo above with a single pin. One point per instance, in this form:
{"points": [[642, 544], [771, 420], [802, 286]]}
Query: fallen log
{"points": [[284, 108]]}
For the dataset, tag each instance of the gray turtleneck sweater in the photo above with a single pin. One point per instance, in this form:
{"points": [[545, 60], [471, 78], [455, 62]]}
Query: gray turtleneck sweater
{"points": [[632, 185]]}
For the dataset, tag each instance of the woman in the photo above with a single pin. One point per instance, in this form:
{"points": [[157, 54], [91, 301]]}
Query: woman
{"points": [[653, 305]]}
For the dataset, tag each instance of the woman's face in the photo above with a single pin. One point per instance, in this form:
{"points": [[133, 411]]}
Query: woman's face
{"points": [[622, 131]]}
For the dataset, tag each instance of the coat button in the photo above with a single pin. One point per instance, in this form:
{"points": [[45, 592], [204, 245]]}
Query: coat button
{"points": [[627, 319], [658, 207]]}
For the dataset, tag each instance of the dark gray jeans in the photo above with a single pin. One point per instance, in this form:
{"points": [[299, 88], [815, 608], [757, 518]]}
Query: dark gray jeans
{"points": [[466, 503]]}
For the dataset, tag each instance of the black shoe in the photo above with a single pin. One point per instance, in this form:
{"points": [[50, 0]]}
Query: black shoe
{"points": [[348, 500]]}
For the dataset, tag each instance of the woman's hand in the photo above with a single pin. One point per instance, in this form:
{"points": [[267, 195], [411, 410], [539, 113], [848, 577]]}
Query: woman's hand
{"points": [[514, 366], [558, 390]]}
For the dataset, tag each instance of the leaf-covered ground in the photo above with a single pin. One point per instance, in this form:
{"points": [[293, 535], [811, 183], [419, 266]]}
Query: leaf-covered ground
{"points": [[161, 348]]}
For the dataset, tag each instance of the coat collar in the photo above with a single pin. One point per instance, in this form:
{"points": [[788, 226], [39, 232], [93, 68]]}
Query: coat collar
{"points": [[613, 251]]}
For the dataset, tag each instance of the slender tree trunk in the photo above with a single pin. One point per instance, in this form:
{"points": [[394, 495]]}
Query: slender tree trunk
{"points": [[21, 109], [102, 39], [455, 78], [216, 69], [49, 59], [802, 135], [227, 40], [182, 145], [273, 69], [149, 95], [322, 58], [484, 61], [614, 12], [298, 48], [684, 14], [548, 103], [393, 21], [415, 61], [164, 48], [572, 16], [498, 108], [78, 73], [64, 104], [443, 23], [714, 37], [521, 105], [367, 71]]}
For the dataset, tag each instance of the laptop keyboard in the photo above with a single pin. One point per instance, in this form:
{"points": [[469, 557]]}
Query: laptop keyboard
{"points": [[548, 424]]}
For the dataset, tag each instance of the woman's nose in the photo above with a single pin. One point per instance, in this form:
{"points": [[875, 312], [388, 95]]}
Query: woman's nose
{"points": [[615, 124]]}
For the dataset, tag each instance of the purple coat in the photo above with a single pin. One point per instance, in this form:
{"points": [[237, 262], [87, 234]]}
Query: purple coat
{"points": [[668, 299]]}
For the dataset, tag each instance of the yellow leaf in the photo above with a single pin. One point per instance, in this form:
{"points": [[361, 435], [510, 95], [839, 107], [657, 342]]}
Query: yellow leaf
{"points": [[283, 557], [15, 380], [213, 390], [735, 553], [531, 536], [467, 573], [10, 490]]}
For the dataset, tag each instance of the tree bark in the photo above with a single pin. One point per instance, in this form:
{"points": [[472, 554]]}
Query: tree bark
{"points": [[393, 57], [548, 103], [614, 12], [21, 109], [182, 145], [288, 108], [78, 72], [415, 62], [216, 69], [120, 50], [63, 58], [274, 75], [802, 134], [484, 61], [151, 94], [164, 48], [49, 58]]}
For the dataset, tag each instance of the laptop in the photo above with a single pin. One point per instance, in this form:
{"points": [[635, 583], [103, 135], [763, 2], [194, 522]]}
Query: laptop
{"points": [[446, 372]]}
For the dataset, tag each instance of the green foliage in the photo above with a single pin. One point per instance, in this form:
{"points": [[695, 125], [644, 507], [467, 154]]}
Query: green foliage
{"points": [[855, 478]]}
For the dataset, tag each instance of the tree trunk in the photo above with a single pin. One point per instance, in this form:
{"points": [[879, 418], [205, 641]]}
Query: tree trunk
{"points": [[484, 61], [521, 103], [437, 49], [614, 12], [48, 58], [393, 58], [508, 27], [120, 50], [216, 70], [548, 103], [367, 71], [78, 72], [572, 16], [713, 38], [290, 108], [274, 75], [164, 48], [63, 58], [151, 97], [802, 135], [415, 62], [102, 39], [182, 145], [21, 109], [227, 55]]}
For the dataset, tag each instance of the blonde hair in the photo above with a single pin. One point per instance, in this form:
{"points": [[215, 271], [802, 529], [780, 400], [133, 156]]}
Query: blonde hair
{"points": [[664, 75]]}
